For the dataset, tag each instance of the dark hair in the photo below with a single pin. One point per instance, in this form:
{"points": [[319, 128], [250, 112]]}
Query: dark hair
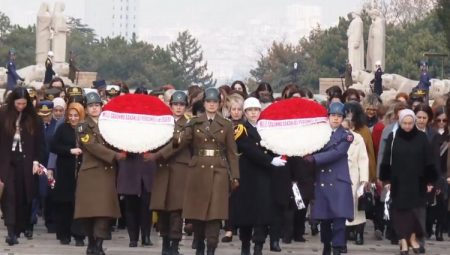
{"points": [[56, 79], [425, 108], [289, 90], [263, 86], [305, 92], [29, 116], [197, 108], [141, 90], [333, 90], [335, 95], [244, 88], [358, 116], [351, 92]]}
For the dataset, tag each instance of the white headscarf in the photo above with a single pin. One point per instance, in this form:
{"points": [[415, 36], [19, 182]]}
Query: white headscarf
{"points": [[404, 113]]}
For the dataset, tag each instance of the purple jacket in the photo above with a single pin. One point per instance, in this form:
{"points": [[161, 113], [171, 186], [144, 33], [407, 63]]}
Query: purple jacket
{"points": [[135, 175], [333, 186]]}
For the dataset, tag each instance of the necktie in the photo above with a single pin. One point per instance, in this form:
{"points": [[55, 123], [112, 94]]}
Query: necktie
{"points": [[210, 121]]}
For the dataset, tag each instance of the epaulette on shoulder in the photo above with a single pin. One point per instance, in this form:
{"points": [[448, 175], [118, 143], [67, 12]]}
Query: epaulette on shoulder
{"points": [[187, 116], [193, 121], [239, 130], [81, 128]]}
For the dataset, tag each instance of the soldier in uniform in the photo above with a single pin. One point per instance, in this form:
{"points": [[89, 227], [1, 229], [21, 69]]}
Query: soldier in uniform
{"points": [[96, 202], [378, 81], [213, 165], [112, 91], [424, 82], [49, 73], [253, 199], [333, 187], [170, 179], [13, 76], [72, 68]]}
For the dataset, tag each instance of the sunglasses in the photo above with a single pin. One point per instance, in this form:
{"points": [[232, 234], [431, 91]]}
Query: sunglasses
{"points": [[441, 120]]}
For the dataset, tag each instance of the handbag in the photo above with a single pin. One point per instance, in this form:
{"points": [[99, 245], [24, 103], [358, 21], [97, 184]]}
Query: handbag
{"points": [[366, 202]]}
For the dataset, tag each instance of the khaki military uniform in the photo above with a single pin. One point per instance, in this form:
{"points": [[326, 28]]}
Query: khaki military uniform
{"points": [[168, 189], [207, 186], [96, 195], [209, 173]]}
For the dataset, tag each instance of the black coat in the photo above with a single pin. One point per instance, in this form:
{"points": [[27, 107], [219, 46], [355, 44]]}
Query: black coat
{"points": [[304, 174], [252, 201], [67, 164], [32, 147], [412, 168]]}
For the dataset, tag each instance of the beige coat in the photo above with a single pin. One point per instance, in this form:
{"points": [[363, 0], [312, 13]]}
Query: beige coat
{"points": [[358, 163], [170, 177], [96, 194], [207, 184]]}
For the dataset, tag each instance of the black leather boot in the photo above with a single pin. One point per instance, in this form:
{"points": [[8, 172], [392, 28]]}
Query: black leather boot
{"points": [[99, 247], [275, 246], [11, 239], [439, 234], [245, 248], [359, 234], [200, 247], [337, 250], [314, 229], [145, 239], [210, 251], [257, 250], [326, 249], [174, 248], [165, 246], [91, 246]]}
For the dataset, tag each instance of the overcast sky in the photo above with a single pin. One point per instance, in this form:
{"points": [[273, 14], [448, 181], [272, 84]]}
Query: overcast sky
{"points": [[213, 23]]}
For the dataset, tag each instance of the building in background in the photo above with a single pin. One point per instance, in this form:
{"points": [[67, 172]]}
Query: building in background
{"points": [[113, 17]]}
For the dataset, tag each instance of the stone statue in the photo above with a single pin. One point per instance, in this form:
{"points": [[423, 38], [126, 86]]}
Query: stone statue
{"points": [[376, 45], [59, 27], [43, 33], [356, 42]]}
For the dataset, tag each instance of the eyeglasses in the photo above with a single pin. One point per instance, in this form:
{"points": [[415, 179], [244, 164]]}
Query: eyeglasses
{"points": [[441, 120]]}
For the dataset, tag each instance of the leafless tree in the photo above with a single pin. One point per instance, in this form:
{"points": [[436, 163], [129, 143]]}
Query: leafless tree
{"points": [[401, 12]]}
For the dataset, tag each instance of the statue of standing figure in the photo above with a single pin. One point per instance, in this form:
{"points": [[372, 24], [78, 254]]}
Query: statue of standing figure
{"points": [[376, 46], [43, 33], [356, 42], [59, 26], [51, 33]]}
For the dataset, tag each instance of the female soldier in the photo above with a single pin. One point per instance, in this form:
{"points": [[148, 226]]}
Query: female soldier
{"points": [[213, 165], [96, 200], [170, 179], [333, 188], [252, 213]]}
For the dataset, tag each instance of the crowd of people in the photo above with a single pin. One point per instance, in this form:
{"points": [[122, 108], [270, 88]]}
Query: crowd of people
{"points": [[385, 162]]}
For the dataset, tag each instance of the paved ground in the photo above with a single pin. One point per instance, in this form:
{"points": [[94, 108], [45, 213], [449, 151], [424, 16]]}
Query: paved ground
{"points": [[44, 243]]}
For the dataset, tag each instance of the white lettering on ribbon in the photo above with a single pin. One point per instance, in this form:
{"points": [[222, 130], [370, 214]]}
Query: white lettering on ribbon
{"points": [[164, 119], [262, 124]]}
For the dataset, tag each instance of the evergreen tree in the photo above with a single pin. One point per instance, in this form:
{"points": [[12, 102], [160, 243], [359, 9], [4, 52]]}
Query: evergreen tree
{"points": [[188, 54], [443, 12]]}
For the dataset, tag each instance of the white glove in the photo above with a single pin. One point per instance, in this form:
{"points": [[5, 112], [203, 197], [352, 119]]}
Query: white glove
{"points": [[277, 161]]}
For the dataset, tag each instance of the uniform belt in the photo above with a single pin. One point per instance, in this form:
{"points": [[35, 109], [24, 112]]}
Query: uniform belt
{"points": [[208, 153]]}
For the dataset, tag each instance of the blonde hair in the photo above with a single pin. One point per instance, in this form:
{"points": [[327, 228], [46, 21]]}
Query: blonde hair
{"points": [[230, 101]]}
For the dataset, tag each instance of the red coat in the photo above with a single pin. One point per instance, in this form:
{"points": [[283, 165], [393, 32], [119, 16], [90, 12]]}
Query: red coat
{"points": [[376, 136]]}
